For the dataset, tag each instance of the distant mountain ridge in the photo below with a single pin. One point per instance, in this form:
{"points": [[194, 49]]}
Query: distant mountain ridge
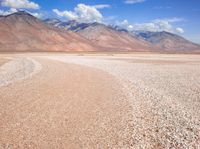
{"points": [[113, 40], [168, 41], [106, 37], [165, 41], [71, 25], [23, 32]]}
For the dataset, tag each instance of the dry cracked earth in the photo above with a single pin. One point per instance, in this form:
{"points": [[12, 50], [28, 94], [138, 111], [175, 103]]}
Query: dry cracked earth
{"points": [[121, 101]]}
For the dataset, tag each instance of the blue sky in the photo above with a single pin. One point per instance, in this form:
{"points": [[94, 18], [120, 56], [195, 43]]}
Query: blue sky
{"points": [[178, 16]]}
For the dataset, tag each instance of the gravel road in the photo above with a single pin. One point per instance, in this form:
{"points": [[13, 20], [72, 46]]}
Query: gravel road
{"points": [[18, 69], [164, 91], [64, 106], [125, 101]]}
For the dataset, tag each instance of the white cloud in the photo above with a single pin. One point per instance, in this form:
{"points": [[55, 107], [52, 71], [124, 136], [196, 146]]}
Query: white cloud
{"points": [[10, 11], [82, 13], [68, 14], [13, 10], [157, 25], [179, 30], [101, 6], [125, 24], [35, 14], [19, 4], [133, 1]]}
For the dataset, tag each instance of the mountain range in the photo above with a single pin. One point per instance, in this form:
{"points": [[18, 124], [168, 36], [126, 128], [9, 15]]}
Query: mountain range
{"points": [[105, 37], [21, 31], [168, 41]]}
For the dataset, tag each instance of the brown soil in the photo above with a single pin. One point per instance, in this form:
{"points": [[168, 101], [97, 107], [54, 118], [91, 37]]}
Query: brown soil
{"points": [[3, 61], [64, 106]]}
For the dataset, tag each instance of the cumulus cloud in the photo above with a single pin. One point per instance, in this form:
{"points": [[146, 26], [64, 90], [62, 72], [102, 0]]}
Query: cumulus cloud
{"points": [[83, 13], [125, 24], [133, 1], [13, 10], [10, 11], [68, 14], [179, 30], [19, 4], [157, 25], [37, 15]]}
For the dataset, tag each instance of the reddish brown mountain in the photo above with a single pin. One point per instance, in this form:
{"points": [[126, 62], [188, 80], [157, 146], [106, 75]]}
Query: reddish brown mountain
{"points": [[23, 32], [169, 42], [113, 40], [117, 39]]}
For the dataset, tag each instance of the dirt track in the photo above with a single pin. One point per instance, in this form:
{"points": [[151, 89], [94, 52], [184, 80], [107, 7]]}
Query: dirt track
{"points": [[3, 61], [64, 106], [138, 101]]}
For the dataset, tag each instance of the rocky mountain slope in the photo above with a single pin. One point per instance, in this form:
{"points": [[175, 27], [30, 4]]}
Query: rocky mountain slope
{"points": [[104, 36], [114, 40], [168, 41], [71, 25], [23, 32], [117, 38]]}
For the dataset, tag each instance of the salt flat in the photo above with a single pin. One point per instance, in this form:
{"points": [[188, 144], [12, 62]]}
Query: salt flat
{"points": [[103, 101]]}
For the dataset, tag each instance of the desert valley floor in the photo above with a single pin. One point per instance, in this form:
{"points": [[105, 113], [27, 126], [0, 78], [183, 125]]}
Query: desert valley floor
{"points": [[100, 101]]}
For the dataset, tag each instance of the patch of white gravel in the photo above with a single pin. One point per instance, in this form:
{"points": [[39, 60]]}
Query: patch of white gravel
{"points": [[165, 99], [18, 69]]}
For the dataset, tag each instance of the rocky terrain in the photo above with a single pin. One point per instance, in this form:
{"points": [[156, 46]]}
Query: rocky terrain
{"points": [[18, 69], [23, 32], [120, 101], [107, 36], [165, 106], [169, 41]]}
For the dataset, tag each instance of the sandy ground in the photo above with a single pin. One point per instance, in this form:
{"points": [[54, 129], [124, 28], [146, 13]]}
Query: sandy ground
{"points": [[3, 60], [18, 69], [121, 101], [64, 106]]}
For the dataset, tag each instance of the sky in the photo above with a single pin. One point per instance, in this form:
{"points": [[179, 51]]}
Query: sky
{"points": [[177, 16]]}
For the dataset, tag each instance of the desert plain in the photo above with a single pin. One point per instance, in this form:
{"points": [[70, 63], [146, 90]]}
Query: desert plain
{"points": [[121, 101]]}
